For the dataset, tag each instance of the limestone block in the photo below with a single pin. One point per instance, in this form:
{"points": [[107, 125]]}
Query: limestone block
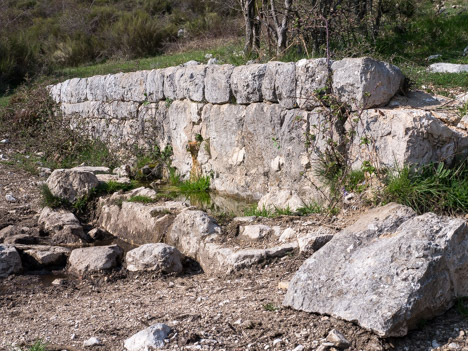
{"points": [[311, 75], [279, 84], [155, 85], [218, 83], [95, 259], [96, 88], [364, 83], [74, 90], [246, 83]]}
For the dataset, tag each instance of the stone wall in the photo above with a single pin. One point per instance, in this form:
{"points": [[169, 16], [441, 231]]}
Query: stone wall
{"points": [[255, 121]]}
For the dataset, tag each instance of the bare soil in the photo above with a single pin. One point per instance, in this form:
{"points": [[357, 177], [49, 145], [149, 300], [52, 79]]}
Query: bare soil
{"points": [[241, 311]]}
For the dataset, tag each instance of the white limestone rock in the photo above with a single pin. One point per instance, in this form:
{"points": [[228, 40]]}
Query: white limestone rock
{"points": [[148, 339], [246, 83], [218, 84], [70, 184], [10, 261], [387, 271], [155, 85], [62, 226], [95, 259], [364, 82], [447, 68], [158, 257], [311, 75]]}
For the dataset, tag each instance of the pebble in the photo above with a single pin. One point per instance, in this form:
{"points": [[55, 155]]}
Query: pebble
{"points": [[283, 285], [10, 198], [298, 348], [277, 341], [338, 339], [453, 346], [435, 344], [93, 341]]}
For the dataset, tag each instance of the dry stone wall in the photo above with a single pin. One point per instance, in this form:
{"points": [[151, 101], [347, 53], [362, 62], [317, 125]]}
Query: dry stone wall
{"points": [[255, 120]]}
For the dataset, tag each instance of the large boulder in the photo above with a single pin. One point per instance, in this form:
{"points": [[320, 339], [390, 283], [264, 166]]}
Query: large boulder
{"points": [[387, 272], [10, 261], [62, 226], [71, 184], [364, 82], [148, 339], [403, 136], [158, 257], [95, 259]]}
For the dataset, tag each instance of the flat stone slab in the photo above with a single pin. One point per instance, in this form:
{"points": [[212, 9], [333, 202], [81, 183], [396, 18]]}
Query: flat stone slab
{"points": [[447, 68]]}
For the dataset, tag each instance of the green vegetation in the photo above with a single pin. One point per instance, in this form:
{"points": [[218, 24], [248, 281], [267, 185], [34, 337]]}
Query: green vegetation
{"points": [[435, 188], [33, 125], [40, 36], [37, 346], [50, 200], [142, 199], [461, 306], [226, 53], [201, 184], [270, 213], [270, 307]]}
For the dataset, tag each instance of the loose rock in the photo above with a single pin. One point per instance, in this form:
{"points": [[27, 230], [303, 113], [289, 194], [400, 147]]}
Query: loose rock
{"points": [[10, 261], [149, 338], [387, 271], [154, 257], [95, 259]]}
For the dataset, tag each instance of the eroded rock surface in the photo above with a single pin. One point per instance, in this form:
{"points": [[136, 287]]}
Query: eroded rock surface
{"points": [[95, 259], [71, 184], [158, 257], [10, 261], [387, 272], [62, 226]]}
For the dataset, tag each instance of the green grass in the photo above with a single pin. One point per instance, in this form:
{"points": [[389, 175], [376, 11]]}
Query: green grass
{"points": [[199, 185], [225, 53], [271, 213], [50, 200], [37, 346], [431, 188], [270, 307], [4, 100], [419, 76]]}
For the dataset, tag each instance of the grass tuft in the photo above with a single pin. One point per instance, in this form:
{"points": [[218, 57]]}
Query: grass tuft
{"points": [[431, 188]]}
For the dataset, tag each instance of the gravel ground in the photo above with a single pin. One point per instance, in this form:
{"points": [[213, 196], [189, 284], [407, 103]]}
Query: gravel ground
{"points": [[206, 312]]}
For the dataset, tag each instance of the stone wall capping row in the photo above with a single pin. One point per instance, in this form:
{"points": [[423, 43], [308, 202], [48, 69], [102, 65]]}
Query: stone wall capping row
{"points": [[360, 82]]}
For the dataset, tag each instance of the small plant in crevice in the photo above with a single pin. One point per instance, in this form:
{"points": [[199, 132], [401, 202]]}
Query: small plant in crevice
{"points": [[461, 306], [202, 184], [50, 200]]}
